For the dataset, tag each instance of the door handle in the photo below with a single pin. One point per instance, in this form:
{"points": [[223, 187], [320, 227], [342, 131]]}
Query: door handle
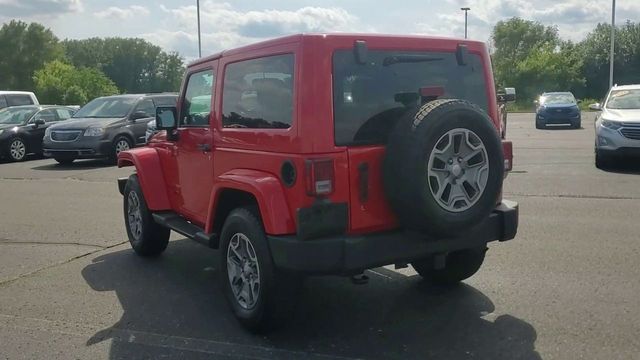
{"points": [[204, 147]]}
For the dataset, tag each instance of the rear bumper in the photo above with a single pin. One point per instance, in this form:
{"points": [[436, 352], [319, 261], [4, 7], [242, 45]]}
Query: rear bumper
{"points": [[347, 254]]}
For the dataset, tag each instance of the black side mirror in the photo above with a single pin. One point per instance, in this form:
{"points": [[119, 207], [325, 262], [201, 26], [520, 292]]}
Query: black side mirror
{"points": [[38, 122], [139, 115], [166, 118]]}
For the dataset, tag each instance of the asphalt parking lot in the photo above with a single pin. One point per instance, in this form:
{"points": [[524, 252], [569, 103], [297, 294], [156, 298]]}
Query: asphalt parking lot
{"points": [[566, 288]]}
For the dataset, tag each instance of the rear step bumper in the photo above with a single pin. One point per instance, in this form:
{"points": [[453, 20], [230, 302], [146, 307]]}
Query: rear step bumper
{"points": [[353, 253]]}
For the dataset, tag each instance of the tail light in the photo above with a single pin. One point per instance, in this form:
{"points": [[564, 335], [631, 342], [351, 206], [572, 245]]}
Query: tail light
{"points": [[319, 177], [507, 149]]}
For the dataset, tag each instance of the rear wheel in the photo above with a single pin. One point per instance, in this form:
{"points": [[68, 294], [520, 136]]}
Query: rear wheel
{"points": [[16, 149], [260, 296], [147, 238], [459, 265]]}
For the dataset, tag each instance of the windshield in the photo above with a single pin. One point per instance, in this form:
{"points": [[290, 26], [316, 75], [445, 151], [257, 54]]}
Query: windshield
{"points": [[549, 99], [15, 115], [115, 107], [624, 99], [369, 99]]}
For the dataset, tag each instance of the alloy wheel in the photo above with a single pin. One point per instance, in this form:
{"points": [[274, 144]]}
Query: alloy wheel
{"points": [[458, 169], [243, 271], [134, 215], [17, 150], [122, 145]]}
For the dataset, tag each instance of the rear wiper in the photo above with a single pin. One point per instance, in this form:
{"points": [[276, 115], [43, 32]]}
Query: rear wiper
{"points": [[390, 60]]}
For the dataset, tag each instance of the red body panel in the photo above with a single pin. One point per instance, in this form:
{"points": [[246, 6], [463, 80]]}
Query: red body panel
{"points": [[267, 189], [250, 160], [150, 175]]}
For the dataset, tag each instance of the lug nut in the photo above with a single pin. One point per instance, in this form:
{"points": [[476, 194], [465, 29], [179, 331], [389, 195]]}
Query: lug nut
{"points": [[450, 161]]}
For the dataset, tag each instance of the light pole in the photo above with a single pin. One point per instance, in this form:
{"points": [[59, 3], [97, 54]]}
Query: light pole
{"points": [[465, 9], [613, 40], [199, 40]]}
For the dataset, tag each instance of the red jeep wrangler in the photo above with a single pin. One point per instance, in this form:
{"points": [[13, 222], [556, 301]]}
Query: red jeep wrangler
{"points": [[326, 154]]}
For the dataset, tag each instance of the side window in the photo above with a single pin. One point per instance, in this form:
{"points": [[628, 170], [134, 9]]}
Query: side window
{"points": [[258, 93], [166, 101], [63, 114], [17, 100], [146, 106], [196, 106], [48, 115], [3, 102]]}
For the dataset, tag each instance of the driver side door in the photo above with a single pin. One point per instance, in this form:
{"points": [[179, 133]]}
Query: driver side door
{"points": [[192, 149], [35, 133]]}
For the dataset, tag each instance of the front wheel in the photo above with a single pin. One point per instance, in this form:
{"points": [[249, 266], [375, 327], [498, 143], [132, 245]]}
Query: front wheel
{"points": [[120, 144], [459, 265], [147, 238], [540, 124], [259, 295], [17, 149], [603, 161]]}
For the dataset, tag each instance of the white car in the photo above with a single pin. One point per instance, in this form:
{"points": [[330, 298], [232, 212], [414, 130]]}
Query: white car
{"points": [[17, 98], [618, 125]]}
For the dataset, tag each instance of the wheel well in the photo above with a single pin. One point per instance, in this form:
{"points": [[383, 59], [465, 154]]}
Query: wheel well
{"points": [[128, 136], [228, 200]]}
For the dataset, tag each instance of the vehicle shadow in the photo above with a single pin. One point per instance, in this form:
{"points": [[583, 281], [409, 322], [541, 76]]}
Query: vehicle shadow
{"points": [[172, 308], [76, 165], [625, 167]]}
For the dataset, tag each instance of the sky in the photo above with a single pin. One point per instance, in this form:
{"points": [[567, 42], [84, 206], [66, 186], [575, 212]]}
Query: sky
{"points": [[227, 24]]}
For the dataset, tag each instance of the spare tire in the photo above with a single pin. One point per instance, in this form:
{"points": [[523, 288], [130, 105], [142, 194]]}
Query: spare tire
{"points": [[443, 167]]}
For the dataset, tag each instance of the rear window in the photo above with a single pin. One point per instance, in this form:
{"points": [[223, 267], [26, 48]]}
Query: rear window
{"points": [[17, 100], [369, 98]]}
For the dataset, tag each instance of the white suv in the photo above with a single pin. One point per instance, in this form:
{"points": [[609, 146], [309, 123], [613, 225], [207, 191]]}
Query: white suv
{"points": [[618, 125]]}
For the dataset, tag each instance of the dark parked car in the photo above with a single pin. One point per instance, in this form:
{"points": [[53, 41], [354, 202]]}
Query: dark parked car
{"points": [[22, 128], [104, 127], [557, 108]]}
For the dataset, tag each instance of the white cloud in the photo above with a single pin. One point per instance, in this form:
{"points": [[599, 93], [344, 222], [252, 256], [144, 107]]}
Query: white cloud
{"points": [[114, 12], [225, 27], [22, 8], [574, 18]]}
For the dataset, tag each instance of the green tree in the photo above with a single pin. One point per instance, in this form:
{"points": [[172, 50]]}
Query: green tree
{"points": [[25, 49], [549, 68], [513, 40], [134, 65], [594, 49], [61, 83]]}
